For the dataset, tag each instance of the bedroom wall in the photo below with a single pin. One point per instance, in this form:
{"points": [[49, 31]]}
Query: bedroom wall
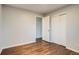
{"points": [[72, 26], [19, 26]]}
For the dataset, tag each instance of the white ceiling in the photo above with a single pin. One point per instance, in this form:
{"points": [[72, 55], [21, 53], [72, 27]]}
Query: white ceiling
{"points": [[39, 8]]}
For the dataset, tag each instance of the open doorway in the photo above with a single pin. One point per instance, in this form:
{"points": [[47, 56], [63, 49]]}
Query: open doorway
{"points": [[38, 29]]}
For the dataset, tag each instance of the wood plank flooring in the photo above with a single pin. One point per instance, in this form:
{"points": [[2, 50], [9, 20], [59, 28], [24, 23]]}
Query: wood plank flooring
{"points": [[39, 48]]}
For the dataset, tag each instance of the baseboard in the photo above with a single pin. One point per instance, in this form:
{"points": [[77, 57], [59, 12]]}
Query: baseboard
{"points": [[58, 43], [72, 49], [67, 47], [18, 44]]}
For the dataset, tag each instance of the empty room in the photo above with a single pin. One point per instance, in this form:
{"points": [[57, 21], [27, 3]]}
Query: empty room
{"points": [[39, 29]]}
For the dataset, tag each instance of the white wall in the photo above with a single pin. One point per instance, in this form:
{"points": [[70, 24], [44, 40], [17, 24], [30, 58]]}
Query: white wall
{"points": [[19, 26], [72, 26], [0, 29], [38, 27]]}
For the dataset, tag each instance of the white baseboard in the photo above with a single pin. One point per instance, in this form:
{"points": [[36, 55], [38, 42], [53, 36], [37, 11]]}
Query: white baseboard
{"points": [[19, 44], [72, 49], [58, 43]]}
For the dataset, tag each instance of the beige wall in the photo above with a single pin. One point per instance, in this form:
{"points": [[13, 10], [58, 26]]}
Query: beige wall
{"points": [[72, 26], [19, 26]]}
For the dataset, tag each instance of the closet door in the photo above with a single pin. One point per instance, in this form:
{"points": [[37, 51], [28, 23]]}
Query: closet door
{"points": [[46, 28], [63, 28], [58, 34]]}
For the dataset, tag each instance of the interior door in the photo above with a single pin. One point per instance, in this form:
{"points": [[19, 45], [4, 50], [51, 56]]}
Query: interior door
{"points": [[63, 28], [46, 28], [59, 29]]}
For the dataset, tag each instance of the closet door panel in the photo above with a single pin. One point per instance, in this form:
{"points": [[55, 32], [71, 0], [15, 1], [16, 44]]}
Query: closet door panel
{"points": [[58, 29]]}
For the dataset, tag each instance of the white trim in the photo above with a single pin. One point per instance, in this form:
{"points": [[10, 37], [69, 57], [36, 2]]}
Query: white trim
{"points": [[19, 44], [72, 49], [57, 43]]}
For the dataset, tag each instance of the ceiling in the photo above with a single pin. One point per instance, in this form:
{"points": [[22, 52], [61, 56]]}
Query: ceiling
{"points": [[39, 8]]}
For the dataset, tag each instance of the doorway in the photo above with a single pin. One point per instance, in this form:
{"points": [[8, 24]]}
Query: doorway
{"points": [[38, 29]]}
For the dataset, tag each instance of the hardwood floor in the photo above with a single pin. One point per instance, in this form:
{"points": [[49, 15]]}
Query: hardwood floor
{"points": [[39, 48]]}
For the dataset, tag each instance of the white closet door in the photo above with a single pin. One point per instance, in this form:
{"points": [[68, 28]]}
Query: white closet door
{"points": [[63, 29], [45, 28], [58, 34]]}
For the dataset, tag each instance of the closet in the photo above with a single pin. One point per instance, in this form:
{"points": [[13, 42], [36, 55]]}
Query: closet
{"points": [[58, 29]]}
